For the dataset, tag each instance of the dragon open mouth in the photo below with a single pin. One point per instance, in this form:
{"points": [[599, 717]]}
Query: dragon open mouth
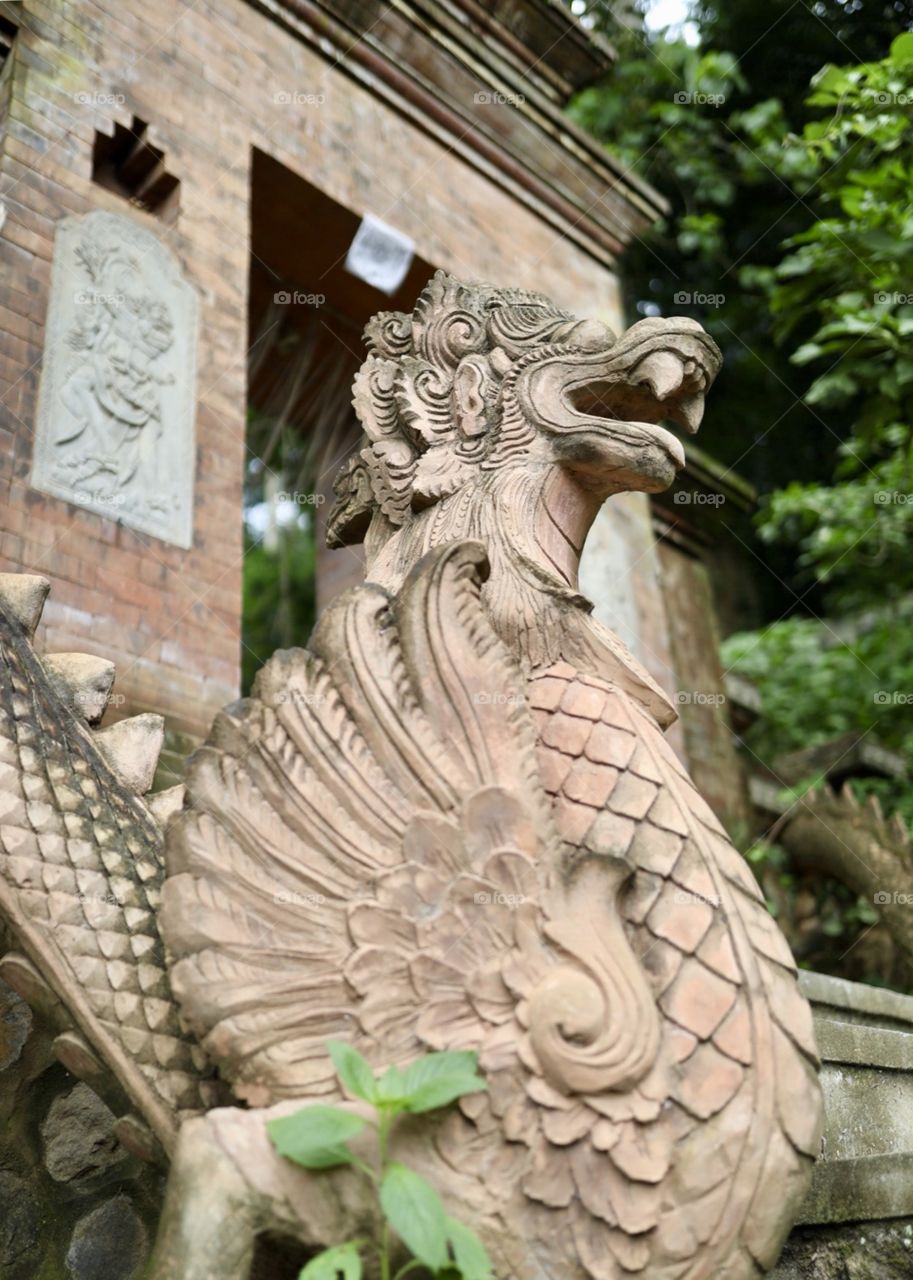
{"points": [[603, 404], [595, 403], [664, 387]]}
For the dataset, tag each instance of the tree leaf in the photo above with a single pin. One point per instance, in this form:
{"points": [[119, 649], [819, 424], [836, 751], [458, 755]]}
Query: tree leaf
{"points": [[342, 1262], [352, 1070], [414, 1211], [902, 47], [438, 1079], [808, 351], [469, 1253], [390, 1088], [313, 1137]]}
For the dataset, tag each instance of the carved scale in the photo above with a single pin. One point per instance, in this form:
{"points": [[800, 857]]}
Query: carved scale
{"points": [[452, 822]]}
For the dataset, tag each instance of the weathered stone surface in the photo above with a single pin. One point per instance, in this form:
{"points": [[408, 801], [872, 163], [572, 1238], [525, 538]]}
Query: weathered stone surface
{"points": [[78, 1138], [864, 1037], [846, 1001], [116, 419], [493, 416], [132, 748], [83, 682], [831, 832], [15, 1024], [20, 1228], [863, 1251], [110, 1243], [23, 595], [389, 851]]}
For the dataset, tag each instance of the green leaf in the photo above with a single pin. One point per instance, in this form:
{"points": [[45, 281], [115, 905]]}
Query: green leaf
{"points": [[830, 79], [352, 1070], [342, 1262], [414, 1211], [902, 47], [390, 1088], [313, 1137], [438, 1079], [472, 1261], [807, 352]]}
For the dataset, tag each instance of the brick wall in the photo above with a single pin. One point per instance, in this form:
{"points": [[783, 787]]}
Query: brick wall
{"points": [[209, 79]]}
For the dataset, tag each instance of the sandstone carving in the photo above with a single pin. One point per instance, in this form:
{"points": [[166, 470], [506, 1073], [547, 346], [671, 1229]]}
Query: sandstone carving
{"points": [[452, 823], [117, 404], [834, 834]]}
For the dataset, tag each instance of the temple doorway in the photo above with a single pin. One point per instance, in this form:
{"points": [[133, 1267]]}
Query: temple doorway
{"points": [[306, 313]]}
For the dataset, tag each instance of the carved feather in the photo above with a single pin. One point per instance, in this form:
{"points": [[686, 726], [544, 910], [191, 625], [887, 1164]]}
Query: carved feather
{"points": [[401, 842], [292, 860], [737, 1036]]}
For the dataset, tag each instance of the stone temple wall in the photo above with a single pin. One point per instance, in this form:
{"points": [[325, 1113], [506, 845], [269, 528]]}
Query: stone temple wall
{"points": [[211, 87], [75, 1204]]}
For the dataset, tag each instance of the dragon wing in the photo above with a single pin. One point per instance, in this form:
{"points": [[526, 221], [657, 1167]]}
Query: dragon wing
{"points": [[373, 851], [81, 869], [388, 765]]}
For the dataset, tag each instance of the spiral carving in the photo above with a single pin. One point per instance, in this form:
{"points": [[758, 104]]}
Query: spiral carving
{"points": [[593, 1024], [374, 398], [423, 398], [453, 335], [389, 333]]}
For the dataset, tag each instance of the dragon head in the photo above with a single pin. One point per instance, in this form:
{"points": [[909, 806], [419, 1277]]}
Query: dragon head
{"points": [[480, 378]]}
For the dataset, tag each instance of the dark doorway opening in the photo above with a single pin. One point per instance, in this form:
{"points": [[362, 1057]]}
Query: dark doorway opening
{"points": [[306, 314]]}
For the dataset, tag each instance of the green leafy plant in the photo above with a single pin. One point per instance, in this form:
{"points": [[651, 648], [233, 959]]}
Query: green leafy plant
{"points": [[317, 1138], [842, 307]]}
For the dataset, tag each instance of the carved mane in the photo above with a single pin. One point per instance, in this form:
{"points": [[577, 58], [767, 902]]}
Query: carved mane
{"points": [[450, 453]]}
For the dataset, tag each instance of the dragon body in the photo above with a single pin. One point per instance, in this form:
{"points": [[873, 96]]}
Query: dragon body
{"points": [[452, 823]]}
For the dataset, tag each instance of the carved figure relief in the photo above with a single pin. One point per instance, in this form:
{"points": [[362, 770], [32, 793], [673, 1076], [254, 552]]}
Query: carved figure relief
{"points": [[116, 413], [452, 823]]}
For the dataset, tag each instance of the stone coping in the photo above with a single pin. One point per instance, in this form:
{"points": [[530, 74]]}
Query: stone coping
{"points": [[837, 998], [865, 1039]]}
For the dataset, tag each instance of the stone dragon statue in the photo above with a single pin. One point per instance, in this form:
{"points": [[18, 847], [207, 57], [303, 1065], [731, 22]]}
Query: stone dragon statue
{"points": [[452, 823]]}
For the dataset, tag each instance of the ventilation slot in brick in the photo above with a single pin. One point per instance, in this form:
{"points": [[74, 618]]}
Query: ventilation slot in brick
{"points": [[8, 32], [128, 163]]}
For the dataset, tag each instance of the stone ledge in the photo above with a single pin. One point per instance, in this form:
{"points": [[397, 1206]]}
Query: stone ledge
{"points": [[865, 1039], [866, 1189], [855, 1044], [855, 1001]]}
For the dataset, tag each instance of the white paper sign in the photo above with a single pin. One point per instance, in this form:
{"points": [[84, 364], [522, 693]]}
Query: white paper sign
{"points": [[380, 255]]}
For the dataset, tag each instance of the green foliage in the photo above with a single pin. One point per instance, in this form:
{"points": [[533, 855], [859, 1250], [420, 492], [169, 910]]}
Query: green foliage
{"points": [[415, 1212], [842, 288], [317, 1136], [279, 601], [279, 598], [849, 276], [343, 1262], [787, 43], [791, 232], [819, 680], [818, 370], [719, 147]]}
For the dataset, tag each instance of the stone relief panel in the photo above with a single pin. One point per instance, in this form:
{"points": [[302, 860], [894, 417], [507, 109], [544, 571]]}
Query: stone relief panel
{"points": [[115, 427]]}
